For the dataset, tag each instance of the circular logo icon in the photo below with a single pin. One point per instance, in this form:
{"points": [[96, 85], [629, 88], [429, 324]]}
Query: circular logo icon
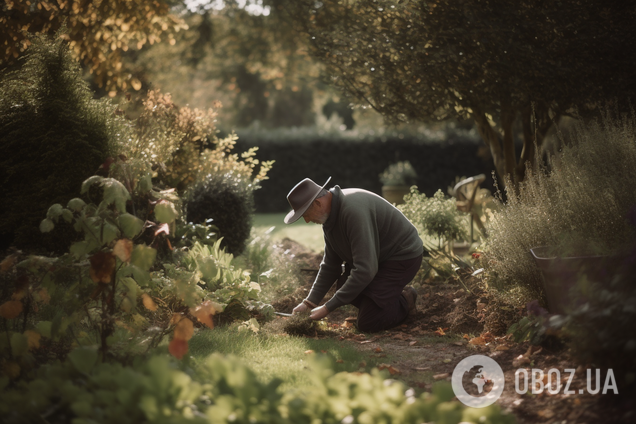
{"points": [[479, 373]]}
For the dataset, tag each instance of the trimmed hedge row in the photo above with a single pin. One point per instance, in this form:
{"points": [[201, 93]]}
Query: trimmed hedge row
{"points": [[357, 163]]}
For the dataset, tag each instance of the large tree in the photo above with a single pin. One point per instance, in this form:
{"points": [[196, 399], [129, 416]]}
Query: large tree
{"points": [[99, 32], [508, 65]]}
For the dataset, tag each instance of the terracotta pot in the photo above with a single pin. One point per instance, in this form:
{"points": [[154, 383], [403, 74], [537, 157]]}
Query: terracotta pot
{"points": [[561, 274], [395, 193]]}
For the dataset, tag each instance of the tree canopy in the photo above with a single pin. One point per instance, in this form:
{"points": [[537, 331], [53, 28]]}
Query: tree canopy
{"points": [[99, 32], [507, 65]]}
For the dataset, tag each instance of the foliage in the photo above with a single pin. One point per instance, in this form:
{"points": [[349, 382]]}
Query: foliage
{"points": [[580, 202], [228, 201], [53, 135], [435, 216], [442, 60], [600, 329], [220, 390], [399, 173], [99, 33], [536, 325]]}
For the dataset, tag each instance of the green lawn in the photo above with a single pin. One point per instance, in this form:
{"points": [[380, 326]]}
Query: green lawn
{"points": [[277, 356], [309, 235]]}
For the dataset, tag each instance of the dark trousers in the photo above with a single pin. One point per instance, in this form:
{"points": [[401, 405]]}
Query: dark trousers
{"points": [[381, 304]]}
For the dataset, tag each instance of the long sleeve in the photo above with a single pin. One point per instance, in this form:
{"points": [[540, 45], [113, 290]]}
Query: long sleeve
{"points": [[330, 270]]}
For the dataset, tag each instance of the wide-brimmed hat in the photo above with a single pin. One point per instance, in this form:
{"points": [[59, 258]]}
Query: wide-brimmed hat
{"points": [[301, 197]]}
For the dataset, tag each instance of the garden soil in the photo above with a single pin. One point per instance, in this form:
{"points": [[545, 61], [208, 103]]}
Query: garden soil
{"points": [[451, 324]]}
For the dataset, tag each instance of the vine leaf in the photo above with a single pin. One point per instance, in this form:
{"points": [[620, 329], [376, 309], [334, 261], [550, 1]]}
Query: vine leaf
{"points": [[130, 224], [102, 267], [165, 212], [143, 256]]}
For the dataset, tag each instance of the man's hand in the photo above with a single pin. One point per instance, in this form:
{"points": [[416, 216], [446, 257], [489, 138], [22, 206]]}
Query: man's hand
{"points": [[319, 312], [300, 308]]}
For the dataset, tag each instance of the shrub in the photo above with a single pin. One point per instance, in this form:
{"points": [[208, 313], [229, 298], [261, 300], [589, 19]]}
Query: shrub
{"points": [[580, 202], [53, 135], [399, 173], [435, 216], [228, 201]]}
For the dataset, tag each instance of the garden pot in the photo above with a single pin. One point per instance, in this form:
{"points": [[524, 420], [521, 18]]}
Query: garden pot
{"points": [[395, 193], [561, 274]]}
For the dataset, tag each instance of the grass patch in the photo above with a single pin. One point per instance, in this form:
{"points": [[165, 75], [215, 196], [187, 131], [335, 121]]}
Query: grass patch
{"points": [[277, 356], [308, 235]]}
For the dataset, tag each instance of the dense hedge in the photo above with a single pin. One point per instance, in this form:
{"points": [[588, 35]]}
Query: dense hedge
{"points": [[53, 135], [357, 162]]}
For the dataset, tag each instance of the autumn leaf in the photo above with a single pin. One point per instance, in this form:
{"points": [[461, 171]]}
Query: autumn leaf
{"points": [[392, 370], [102, 267], [178, 348], [339, 361], [148, 302], [10, 309], [377, 350], [123, 249], [7, 263], [33, 339], [439, 331], [205, 311], [477, 341], [184, 328], [44, 295]]}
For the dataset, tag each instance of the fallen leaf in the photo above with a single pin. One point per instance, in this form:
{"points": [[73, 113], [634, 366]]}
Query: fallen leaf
{"points": [[439, 331], [148, 302], [413, 343], [458, 344], [123, 249], [309, 352], [392, 370], [476, 341], [441, 376], [10, 309], [466, 336], [520, 360], [502, 347], [422, 368], [480, 306], [347, 324], [377, 350], [102, 267], [546, 413], [178, 348]]}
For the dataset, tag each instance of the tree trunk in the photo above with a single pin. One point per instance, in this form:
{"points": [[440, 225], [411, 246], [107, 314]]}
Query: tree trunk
{"points": [[491, 138]]}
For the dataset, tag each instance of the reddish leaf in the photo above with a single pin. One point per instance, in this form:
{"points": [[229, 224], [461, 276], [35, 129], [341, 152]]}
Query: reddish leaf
{"points": [[439, 331], [178, 348], [10, 309], [205, 311], [392, 370], [123, 249], [163, 228], [102, 267]]}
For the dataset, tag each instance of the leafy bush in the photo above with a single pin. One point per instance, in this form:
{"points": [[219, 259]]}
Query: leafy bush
{"points": [[53, 135], [579, 203], [399, 173], [228, 201], [221, 390], [435, 216]]}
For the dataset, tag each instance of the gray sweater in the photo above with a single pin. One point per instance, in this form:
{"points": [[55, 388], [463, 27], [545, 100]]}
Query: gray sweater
{"points": [[362, 230]]}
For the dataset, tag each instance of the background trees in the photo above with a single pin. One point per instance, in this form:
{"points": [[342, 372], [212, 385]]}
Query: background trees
{"points": [[510, 66], [99, 32]]}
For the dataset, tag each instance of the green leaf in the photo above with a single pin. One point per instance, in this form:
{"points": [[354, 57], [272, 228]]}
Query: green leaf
{"points": [[44, 328], [165, 212], [109, 233], [88, 183], [132, 290], [130, 224], [115, 192], [67, 215], [19, 344], [145, 184], [46, 225], [142, 277], [79, 249], [54, 212], [83, 359], [76, 204], [143, 256]]}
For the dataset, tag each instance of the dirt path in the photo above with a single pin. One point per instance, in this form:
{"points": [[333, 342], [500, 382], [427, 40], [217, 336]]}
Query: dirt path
{"points": [[452, 324]]}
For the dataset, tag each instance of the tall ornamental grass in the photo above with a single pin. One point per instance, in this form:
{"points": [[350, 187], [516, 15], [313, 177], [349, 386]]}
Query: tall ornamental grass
{"points": [[577, 203]]}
